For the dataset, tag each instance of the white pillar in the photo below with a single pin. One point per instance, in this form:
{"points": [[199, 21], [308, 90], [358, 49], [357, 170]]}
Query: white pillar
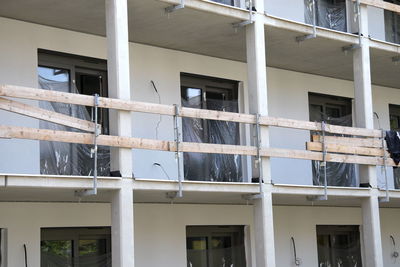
{"points": [[119, 80], [120, 124], [364, 118], [258, 98], [122, 236]]}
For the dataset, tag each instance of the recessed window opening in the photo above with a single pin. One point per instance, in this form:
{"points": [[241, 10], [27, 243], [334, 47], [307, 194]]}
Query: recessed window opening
{"points": [[215, 246], [330, 14], [215, 94], [76, 247], [394, 113], [339, 245], [72, 74], [337, 111], [392, 24], [3, 247]]}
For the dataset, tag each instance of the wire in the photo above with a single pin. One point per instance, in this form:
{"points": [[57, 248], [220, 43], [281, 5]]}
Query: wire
{"points": [[159, 102], [26, 256], [162, 168], [297, 261]]}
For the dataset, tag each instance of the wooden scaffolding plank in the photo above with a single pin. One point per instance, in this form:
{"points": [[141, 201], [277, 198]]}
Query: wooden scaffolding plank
{"points": [[351, 141], [337, 148], [69, 98], [46, 115], [140, 143], [381, 4]]}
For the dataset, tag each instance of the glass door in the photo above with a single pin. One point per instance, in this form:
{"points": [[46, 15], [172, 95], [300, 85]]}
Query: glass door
{"points": [[214, 94], [72, 74]]}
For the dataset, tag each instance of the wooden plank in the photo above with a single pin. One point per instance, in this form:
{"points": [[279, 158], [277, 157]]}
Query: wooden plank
{"points": [[140, 143], [381, 4], [337, 148], [46, 115], [351, 141], [69, 98]]}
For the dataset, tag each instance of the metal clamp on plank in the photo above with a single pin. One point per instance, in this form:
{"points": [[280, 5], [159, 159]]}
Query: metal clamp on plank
{"points": [[177, 155], [93, 151], [246, 22], [384, 170], [258, 159], [173, 8], [323, 164], [302, 38]]}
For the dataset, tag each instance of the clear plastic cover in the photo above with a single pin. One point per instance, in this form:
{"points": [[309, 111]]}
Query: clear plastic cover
{"points": [[58, 158], [329, 14], [211, 167], [338, 174]]}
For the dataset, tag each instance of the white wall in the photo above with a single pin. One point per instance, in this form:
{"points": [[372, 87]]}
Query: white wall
{"points": [[24, 220], [287, 9], [161, 229], [376, 23], [300, 223], [288, 96], [390, 227]]}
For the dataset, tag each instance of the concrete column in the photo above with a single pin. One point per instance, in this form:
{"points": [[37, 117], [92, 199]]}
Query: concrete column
{"points": [[119, 80], [258, 98], [120, 124], [122, 236], [364, 118]]}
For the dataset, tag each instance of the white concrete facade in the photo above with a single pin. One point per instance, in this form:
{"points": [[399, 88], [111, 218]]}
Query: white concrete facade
{"points": [[160, 237]]}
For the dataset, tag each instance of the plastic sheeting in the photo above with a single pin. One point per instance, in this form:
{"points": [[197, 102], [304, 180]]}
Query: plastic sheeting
{"points": [[58, 158], [338, 174], [392, 26], [211, 167], [329, 14]]}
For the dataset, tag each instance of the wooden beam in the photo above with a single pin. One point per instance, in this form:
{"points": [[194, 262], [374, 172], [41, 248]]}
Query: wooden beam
{"points": [[69, 98], [46, 115], [350, 141], [337, 148], [140, 143], [381, 4]]}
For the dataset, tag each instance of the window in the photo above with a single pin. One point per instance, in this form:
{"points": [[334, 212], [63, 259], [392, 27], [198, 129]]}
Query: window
{"points": [[3, 247], [394, 113], [77, 247], [338, 111], [216, 94], [392, 24], [329, 14], [215, 246], [339, 245], [72, 74]]}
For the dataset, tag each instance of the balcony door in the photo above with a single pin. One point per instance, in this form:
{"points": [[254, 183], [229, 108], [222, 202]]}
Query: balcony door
{"points": [[214, 94], [72, 74], [337, 111]]}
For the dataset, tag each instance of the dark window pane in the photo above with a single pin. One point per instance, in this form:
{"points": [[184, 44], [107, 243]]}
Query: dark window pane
{"points": [[56, 253]]}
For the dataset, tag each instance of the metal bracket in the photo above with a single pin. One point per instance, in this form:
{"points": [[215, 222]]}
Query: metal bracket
{"points": [[323, 164], [396, 59], [258, 159], [246, 22], [249, 197], [93, 152], [174, 8], [314, 34], [177, 155], [386, 198], [350, 47]]}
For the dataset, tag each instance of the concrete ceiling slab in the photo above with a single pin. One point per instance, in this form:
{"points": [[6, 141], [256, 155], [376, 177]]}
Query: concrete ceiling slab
{"points": [[204, 33]]}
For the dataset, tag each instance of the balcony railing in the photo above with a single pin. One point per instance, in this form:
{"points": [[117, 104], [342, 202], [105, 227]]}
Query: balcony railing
{"points": [[354, 145]]}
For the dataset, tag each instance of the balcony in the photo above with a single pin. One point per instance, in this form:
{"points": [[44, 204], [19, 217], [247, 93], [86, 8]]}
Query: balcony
{"points": [[330, 144]]}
